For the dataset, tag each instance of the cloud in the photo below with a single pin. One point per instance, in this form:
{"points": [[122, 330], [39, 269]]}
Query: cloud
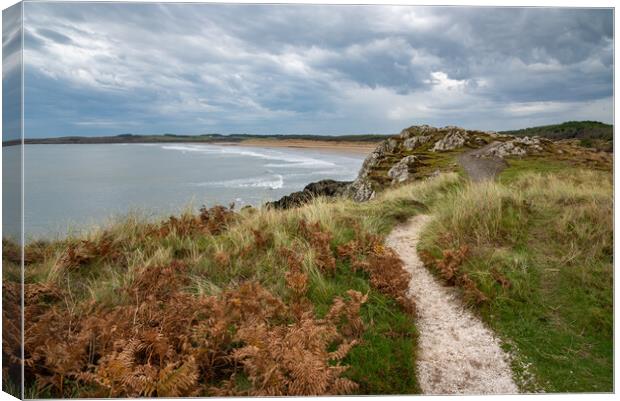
{"points": [[109, 68], [11, 72], [53, 35]]}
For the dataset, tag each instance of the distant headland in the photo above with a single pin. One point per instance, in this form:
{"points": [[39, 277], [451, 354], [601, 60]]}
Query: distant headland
{"points": [[589, 133]]}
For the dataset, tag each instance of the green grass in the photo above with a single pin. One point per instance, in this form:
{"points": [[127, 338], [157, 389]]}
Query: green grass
{"points": [[551, 236], [384, 360], [9, 386], [388, 350], [517, 167], [545, 225]]}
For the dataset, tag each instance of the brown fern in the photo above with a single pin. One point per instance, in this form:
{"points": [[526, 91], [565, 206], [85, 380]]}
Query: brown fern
{"points": [[471, 291], [320, 242]]}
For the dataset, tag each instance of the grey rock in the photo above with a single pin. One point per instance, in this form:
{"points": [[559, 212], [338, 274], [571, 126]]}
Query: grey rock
{"points": [[534, 143], [452, 140], [390, 145], [514, 147], [502, 150], [415, 141], [400, 171], [417, 130], [360, 190], [371, 161]]}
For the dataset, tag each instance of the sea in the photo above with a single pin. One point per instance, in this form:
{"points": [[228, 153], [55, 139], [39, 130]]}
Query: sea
{"points": [[72, 188]]}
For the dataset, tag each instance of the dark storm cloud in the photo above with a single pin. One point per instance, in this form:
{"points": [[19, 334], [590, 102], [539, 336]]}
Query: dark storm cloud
{"points": [[196, 68]]}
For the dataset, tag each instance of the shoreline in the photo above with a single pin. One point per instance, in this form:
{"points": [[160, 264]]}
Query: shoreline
{"points": [[330, 146], [345, 149], [356, 147]]}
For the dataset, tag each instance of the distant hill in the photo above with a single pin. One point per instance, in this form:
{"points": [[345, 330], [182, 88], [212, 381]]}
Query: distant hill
{"points": [[591, 134], [206, 138]]}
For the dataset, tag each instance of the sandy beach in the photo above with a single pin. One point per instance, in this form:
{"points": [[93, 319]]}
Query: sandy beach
{"points": [[334, 146]]}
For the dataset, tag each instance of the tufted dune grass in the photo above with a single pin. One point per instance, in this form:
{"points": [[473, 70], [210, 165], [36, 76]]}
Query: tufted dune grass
{"points": [[544, 227], [540, 249], [383, 362]]}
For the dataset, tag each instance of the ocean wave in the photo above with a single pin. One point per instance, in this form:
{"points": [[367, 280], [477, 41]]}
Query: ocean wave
{"points": [[274, 182], [302, 163], [340, 172], [289, 159]]}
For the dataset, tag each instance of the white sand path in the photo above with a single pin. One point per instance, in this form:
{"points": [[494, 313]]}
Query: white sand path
{"points": [[457, 353]]}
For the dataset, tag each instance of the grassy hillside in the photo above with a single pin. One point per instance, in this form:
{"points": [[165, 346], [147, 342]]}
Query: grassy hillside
{"points": [[589, 133], [306, 301], [310, 301], [533, 254]]}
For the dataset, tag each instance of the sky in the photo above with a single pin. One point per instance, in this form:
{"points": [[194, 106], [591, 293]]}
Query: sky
{"points": [[11, 73], [108, 69]]}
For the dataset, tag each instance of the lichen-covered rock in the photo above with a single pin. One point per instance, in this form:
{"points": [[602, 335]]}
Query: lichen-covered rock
{"points": [[417, 130], [388, 165], [400, 171], [416, 141], [534, 143], [502, 150], [360, 190], [514, 147], [392, 161], [478, 141], [390, 145], [454, 139], [371, 161]]}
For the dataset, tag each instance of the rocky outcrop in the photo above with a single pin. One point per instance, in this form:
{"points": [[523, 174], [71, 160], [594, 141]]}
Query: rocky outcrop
{"points": [[454, 139], [400, 171], [418, 130], [416, 153], [320, 188], [416, 141], [395, 161], [514, 147], [390, 145], [361, 190], [503, 149]]}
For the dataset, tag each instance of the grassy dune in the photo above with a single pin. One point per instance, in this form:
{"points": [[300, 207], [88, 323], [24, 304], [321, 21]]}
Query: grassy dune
{"points": [[310, 301], [533, 254], [224, 303]]}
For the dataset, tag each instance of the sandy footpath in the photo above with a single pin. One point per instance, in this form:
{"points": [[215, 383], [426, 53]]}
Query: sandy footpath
{"points": [[457, 353]]}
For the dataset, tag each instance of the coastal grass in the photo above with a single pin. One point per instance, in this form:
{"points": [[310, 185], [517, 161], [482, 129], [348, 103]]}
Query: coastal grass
{"points": [[518, 167], [247, 248], [539, 249]]}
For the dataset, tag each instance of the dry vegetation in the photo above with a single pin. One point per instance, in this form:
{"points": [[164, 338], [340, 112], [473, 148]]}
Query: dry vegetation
{"points": [[533, 254], [311, 301], [256, 302]]}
